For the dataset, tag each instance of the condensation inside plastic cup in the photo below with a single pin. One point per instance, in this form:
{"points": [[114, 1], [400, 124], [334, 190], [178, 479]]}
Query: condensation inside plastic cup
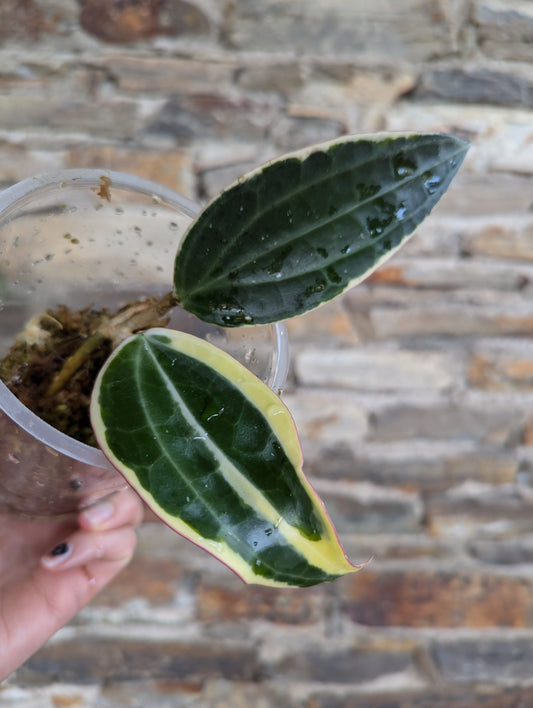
{"points": [[102, 238]]}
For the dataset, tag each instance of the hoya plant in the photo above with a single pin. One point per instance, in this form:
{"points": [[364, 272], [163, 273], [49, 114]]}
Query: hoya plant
{"points": [[211, 449]]}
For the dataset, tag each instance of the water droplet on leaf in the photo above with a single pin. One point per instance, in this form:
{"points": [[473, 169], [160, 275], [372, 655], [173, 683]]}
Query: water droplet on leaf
{"points": [[400, 212], [317, 287], [273, 411], [403, 166], [212, 411], [431, 182]]}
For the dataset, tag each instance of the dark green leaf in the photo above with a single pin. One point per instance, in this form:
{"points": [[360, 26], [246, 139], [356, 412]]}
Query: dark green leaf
{"points": [[296, 233]]}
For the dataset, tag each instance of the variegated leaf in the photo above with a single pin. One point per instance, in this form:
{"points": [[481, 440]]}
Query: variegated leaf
{"points": [[215, 453]]}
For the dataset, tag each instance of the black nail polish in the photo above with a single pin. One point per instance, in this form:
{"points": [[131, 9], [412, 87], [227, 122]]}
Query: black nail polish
{"points": [[60, 549]]}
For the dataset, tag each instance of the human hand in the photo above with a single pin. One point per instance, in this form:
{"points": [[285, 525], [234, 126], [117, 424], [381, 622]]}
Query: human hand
{"points": [[49, 570]]}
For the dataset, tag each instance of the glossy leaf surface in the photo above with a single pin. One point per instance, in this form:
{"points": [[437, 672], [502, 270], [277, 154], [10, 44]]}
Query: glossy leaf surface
{"points": [[296, 233], [215, 453]]}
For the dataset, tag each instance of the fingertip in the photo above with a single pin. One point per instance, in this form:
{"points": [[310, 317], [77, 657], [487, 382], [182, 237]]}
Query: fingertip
{"points": [[97, 514], [123, 508]]}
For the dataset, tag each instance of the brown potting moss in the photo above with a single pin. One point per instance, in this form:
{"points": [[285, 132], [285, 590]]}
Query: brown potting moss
{"points": [[40, 351]]}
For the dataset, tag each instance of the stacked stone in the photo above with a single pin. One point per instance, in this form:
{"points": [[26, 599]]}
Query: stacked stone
{"points": [[413, 393]]}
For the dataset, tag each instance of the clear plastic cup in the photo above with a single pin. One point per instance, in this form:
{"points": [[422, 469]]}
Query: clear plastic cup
{"points": [[102, 238]]}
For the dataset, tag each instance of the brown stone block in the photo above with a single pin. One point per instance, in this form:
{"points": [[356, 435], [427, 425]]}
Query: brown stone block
{"points": [[414, 465], [284, 77], [415, 597], [366, 508], [474, 508], [437, 276], [503, 375], [502, 551], [23, 20], [113, 118], [215, 115], [104, 660], [329, 324], [344, 666], [132, 20], [450, 318], [163, 693], [400, 30], [170, 168], [528, 432], [166, 75], [120, 21], [296, 132], [156, 580], [371, 368], [475, 84], [481, 372], [483, 417], [505, 30], [484, 658], [388, 275], [220, 604], [213, 693], [17, 162], [508, 241], [326, 418], [445, 697]]}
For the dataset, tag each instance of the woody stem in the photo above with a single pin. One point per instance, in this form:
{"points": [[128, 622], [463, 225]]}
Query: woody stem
{"points": [[131, 318]]}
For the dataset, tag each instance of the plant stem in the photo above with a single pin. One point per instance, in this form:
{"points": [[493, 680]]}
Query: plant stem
{"points": [[134, 317], [74, 361]]}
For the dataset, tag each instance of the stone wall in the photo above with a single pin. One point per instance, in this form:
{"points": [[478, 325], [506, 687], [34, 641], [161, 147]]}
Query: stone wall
{"points": [[413, 393]]}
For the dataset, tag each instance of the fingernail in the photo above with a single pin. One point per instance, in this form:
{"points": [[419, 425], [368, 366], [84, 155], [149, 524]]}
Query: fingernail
{"points": [[98, 513], [57, 555]]}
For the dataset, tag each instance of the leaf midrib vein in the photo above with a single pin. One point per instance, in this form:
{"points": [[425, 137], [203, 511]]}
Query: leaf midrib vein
{"points": [[215, 450]]}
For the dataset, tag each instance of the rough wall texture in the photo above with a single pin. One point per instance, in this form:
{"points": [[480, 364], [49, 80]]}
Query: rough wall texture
{"points": [[413, 394]]}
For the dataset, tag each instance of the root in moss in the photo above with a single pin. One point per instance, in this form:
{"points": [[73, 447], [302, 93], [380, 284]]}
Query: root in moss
{"points": [[54, 362]]}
